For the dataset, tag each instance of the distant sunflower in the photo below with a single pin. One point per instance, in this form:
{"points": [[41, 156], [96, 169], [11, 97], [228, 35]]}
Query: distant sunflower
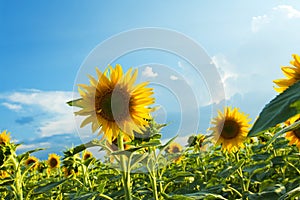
{"points": [[4, 138], [231, 129], [87, 155], [53, 161], [174, 148], [3, 174], [113, 103], [32, 162], [294, 135], [292, 74], [70, 171]]}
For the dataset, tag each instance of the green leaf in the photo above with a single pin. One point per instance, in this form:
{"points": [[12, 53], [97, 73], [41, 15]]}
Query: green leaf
{"points": [[259, 157], [278, 160], [273, 192], [137, 159], [176, 197], [255, 168], [75, 103], [49, 186], [230, 170], [293, 193], [296, 105], [27, 154], [282, 131], [193, 196], [181, 174], [86, 196], [281, 108]]}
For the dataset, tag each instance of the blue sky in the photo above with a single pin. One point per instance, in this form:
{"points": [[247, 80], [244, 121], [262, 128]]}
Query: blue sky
{"points": [[44, 44]]}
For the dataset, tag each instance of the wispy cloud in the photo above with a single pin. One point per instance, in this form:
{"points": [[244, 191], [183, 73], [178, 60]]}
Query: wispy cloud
{"points": [[278, 13], [26, 147], [14, 107], [258, 22], [58, 117], [287, 11], [228, 73], [174, 78], [148, 72]]}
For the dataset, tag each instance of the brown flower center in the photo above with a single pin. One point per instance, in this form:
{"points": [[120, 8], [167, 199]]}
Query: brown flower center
{"points": [[113, 105], [230, 129], [175, 149], [297, 133], [53, 162], [87, 156], [30, 161]]}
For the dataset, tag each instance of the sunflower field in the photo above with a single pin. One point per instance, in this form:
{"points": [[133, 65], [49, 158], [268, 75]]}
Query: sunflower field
{"points": [[232, 160]]}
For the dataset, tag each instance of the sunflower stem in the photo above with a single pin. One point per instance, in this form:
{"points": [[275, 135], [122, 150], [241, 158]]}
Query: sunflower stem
{"points": [[18, 178], [240, 173], [124, 169], [152, 172]]}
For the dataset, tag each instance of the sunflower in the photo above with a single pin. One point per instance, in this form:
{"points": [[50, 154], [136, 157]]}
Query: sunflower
{"points": [[87, 155], [4, 138], [70, 171], [174, 148], [231, 129], [197, 141], [113, 103], [3, 174], [294, 135], [32, 162], [292, 74], [53, 161]]}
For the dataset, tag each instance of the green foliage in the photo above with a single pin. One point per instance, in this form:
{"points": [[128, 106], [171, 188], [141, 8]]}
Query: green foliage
{"points": [[267, 168], [281, 108], [75, 103]]}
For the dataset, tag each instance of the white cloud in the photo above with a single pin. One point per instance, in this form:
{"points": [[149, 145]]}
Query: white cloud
{"points": [[287, 11], [59, 116], [258, 22], [228, 74], [174, 78], [277, 14], [50, 101], [148, 72], [14, 107], [34, 146]]}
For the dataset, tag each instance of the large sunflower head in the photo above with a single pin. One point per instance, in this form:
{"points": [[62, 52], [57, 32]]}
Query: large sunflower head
{"points": [[294, 135], [292, 75], [112, 103], [32, 162], [230, 129], [4, 138], [53, 161]]}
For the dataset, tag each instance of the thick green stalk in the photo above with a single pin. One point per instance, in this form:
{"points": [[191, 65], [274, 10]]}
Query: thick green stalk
{"points": [[18, 179], [124, 169], [240, 173], [154, 186], [152, 172]]}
